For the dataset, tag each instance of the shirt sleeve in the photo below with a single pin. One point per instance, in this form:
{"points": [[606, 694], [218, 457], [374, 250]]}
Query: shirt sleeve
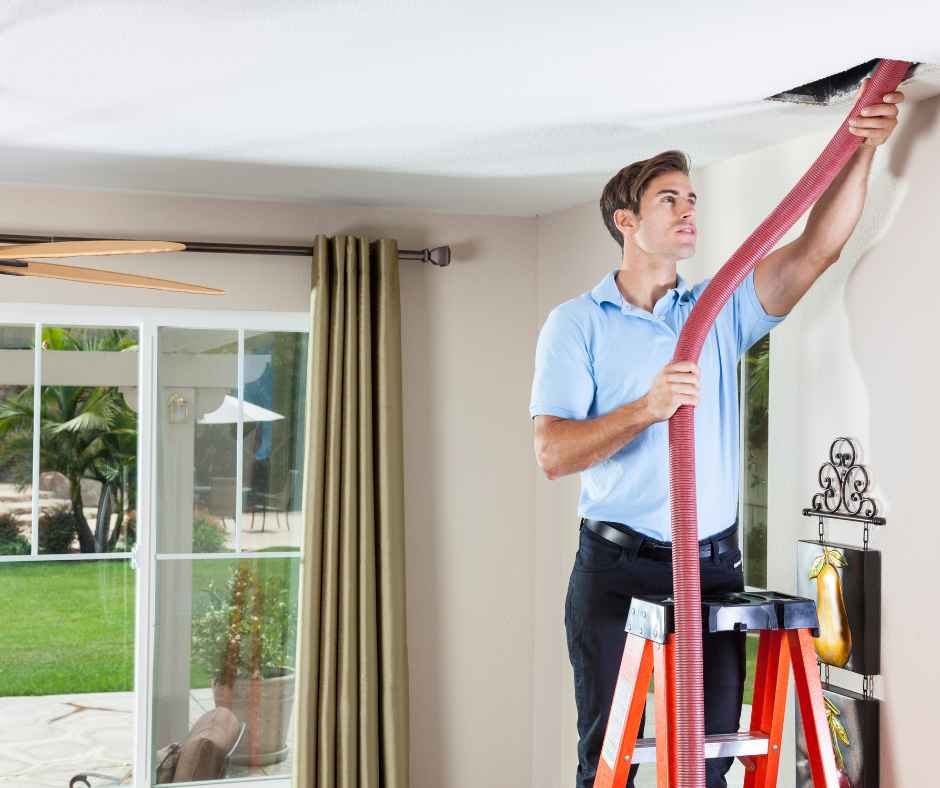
{"points": [[563, 384], [751, 320]]}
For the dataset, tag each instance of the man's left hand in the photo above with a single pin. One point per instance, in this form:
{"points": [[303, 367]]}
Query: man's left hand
{"points": [[876, 122]]}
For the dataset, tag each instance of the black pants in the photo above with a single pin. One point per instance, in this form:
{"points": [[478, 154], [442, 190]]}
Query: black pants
{"points": [[603, 580]]}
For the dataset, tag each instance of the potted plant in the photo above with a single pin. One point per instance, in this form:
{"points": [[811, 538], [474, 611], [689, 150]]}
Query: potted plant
{"points": [[244, 640]]}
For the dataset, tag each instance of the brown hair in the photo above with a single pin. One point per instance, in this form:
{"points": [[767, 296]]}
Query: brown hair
{"points": [[625, 189]]}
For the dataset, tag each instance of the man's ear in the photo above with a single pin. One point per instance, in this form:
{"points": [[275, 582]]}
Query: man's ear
{"points": [[626, 221]]}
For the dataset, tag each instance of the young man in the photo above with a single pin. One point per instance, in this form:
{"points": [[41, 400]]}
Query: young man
{"points": [[604, 391]]}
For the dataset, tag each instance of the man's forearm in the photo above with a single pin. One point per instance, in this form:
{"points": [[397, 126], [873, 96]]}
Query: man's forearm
{"points": [[571, 445], [834, 216]]}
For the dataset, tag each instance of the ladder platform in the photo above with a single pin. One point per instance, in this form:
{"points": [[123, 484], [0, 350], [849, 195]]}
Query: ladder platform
{"points": [[725, 745], [653, 617]]}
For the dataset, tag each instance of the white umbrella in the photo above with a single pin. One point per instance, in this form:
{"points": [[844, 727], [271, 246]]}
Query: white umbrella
{"points": [[227, 413]]}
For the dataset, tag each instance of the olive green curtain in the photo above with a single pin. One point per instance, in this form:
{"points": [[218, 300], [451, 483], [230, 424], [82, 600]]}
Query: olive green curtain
{"points": [[352, 670]]}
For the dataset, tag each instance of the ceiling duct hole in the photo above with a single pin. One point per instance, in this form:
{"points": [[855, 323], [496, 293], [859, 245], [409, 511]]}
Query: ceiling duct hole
{"points": [[832, 89]]}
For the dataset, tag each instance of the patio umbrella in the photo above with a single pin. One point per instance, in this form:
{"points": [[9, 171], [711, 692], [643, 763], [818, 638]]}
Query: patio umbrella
{"points": [[227, 413]]}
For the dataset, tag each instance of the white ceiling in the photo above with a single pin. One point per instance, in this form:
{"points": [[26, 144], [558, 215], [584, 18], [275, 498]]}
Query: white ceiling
{"points": [[510, 107]]}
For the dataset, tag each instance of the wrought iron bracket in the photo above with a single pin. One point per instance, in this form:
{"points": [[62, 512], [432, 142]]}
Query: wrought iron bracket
{"points": [[843, 483]]}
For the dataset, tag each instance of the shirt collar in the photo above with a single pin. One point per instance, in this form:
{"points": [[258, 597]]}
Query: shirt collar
{"points": [[607, 290]]}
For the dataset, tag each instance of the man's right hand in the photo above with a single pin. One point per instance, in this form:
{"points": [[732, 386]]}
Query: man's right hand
{"points": [[677, 384]]}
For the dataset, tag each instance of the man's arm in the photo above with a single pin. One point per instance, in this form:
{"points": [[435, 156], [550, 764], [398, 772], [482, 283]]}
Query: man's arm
{"points": [[564, 446], [783, 277]]}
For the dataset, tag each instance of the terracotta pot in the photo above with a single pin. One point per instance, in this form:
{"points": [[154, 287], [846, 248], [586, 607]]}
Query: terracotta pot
{"points": [[265, 706]]}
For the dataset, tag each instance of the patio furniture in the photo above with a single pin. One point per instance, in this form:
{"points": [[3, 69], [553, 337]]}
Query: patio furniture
{"points": [[275, 502], [221, 502], [203, 755]]}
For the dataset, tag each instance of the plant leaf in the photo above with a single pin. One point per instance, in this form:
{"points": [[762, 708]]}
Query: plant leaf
{"points": [[837, 558], [817, 566], [839, 728]]}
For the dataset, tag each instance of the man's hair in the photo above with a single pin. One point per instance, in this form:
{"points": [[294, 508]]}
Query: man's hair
{"points": [[626, 188]]}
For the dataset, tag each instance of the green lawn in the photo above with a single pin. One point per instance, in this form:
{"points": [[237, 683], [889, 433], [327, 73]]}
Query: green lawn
{"points": [[68, 626]]}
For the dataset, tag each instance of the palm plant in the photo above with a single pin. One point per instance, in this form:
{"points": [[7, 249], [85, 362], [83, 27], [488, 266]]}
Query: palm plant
{"points": [[86, 432]]}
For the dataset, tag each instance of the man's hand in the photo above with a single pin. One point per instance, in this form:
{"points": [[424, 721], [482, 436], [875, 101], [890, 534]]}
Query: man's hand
{"points": [[677, 384], [875, 123]]}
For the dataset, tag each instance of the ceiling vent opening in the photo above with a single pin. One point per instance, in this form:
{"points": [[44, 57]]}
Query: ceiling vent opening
{"points": [[833, 89]]}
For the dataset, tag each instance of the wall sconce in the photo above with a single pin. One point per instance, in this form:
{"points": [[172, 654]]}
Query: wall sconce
{"points": [[178, 409]]}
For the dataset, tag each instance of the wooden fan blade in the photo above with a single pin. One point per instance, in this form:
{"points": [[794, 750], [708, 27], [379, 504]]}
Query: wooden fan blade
{"points": [[96, 276], [85, 248]]}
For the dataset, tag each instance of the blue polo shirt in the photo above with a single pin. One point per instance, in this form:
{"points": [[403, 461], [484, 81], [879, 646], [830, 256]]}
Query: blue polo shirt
{"points": [[598, 352]]}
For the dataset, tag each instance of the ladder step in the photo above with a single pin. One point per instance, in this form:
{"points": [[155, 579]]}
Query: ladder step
{"points": [[725, 745]]}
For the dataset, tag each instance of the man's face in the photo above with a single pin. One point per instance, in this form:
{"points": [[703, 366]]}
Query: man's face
{"points": [[666, 224]]}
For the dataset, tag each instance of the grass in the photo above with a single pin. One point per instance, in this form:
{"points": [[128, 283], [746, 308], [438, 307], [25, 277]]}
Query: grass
{"points": [[68, 626]]}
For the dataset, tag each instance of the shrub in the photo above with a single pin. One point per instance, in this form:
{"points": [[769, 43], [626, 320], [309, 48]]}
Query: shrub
{"points": [[208, 536], [247, 628], [9, 527], [57, 530], [17, 546]]}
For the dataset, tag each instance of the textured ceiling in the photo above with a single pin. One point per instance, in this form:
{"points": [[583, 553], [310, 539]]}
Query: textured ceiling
{"points": [[477, 106]]}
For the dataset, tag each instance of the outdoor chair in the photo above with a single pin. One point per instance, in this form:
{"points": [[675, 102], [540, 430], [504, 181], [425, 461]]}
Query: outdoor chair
{"points": [[276, 502], [222, 497], [203, 755]]}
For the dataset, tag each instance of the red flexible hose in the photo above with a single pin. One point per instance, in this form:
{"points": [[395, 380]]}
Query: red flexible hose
{"points": [[685, 552]]}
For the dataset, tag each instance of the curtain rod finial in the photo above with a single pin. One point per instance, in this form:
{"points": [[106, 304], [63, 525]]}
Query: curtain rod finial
{"points": [[439, 255]]}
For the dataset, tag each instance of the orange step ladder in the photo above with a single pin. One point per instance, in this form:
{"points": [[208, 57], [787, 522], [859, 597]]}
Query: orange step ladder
{"points": [[787, 625]]}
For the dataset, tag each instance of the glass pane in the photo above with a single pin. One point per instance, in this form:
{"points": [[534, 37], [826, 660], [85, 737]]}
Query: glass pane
{"points": [[755, 369], [225, 638], [88, 441], [66, 671], [16, 438], [196, 416], [275, 398]]}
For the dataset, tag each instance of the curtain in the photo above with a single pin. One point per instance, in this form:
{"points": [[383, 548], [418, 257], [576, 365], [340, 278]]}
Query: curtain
{"points": [[352, 667]]}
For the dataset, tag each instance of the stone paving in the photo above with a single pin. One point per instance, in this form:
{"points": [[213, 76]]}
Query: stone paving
{"points": [[46, 740]]}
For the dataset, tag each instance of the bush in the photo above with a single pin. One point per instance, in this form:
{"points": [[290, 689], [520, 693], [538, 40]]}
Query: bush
{"points": [[208, 536], [9, 527], [12, 541], [247, 629], [57, 530], [17, 546]]}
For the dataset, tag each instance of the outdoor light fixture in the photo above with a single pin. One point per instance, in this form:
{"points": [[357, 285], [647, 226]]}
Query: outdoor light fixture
{"points": [[178, 409]]}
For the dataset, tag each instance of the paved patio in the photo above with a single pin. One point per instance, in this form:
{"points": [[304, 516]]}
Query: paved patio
{"points": [[46, 740]]}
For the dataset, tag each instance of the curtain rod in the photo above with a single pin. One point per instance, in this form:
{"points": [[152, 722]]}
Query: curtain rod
{"points": [[439, 255]]}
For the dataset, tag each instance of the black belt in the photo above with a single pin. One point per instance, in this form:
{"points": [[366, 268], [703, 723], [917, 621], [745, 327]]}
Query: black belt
{"points": [[645, 548]]}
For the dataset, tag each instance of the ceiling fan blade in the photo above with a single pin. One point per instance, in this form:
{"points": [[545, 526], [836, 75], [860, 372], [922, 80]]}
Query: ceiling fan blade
{"points": [[85, 248], [96, 276]]}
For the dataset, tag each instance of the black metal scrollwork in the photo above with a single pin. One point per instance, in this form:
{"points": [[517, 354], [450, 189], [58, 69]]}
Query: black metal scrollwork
{"points": [[844, 484]]}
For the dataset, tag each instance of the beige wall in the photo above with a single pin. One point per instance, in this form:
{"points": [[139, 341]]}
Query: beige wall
{"points": [[468, 334], [853, 358]]}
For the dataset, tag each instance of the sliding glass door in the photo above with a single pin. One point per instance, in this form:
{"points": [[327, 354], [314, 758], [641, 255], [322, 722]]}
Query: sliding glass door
{"points": [[151, 466], [230, 423]]}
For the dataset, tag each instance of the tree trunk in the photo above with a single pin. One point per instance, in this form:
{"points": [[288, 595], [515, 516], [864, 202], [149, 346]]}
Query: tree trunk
{"points": [[118, 495], [103, 518], [86, 539]]}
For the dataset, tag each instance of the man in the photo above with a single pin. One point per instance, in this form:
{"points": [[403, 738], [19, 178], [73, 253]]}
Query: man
{"points": [[604, 391]]}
